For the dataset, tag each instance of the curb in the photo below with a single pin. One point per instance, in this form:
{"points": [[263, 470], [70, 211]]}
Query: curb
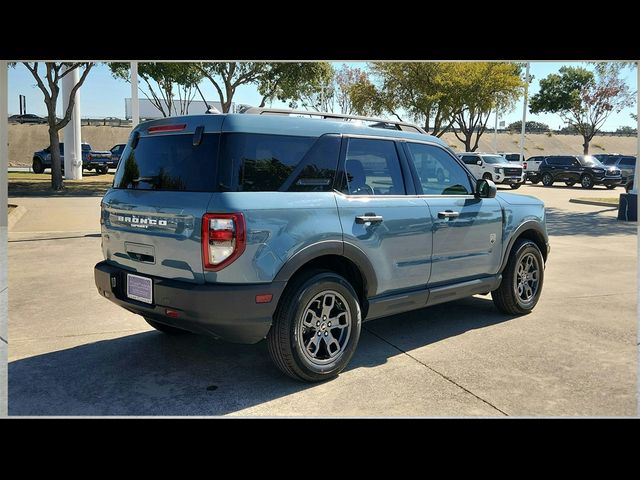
{"points": [[589, 202], [15, 215]]}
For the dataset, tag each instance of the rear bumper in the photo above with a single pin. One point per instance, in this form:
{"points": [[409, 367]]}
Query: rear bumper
{"points": [[224, 311], [109, 164]]}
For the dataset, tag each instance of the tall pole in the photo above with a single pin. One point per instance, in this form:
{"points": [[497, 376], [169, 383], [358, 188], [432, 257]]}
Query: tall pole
{"points": [[635, 175], [135, 102], [524, 111], [495, 133], [72, 131], [4, 285]]}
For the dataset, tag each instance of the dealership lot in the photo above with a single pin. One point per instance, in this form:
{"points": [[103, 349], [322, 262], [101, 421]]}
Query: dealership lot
{"points": [[71, 352]]}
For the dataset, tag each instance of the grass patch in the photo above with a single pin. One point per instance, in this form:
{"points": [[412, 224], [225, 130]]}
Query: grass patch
{"points": [[25, 183], [549, 134], [597, 145], [538, 147]]}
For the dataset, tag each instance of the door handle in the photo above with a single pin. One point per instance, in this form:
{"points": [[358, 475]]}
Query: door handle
{"points": [[369, 218], [448, 214]]}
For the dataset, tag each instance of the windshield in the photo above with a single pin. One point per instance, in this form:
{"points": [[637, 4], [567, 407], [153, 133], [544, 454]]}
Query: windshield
{"points": [[609, 160], [512, 157], [493, 158], [590, 161]]}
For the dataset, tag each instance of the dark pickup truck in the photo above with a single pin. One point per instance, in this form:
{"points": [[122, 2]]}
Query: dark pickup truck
{"points": [[100, 160]]}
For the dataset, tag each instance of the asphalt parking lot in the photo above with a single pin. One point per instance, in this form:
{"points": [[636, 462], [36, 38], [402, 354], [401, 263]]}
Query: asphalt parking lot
{"points": [[71, 352]]}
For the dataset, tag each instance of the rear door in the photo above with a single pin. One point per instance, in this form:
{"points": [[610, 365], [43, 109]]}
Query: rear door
{"points": [[151, 218], [467, 231], [471, 161], [392, 228]]}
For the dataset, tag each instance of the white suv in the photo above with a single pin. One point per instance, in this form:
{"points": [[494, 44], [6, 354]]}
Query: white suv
{"points": [[493, 167]]}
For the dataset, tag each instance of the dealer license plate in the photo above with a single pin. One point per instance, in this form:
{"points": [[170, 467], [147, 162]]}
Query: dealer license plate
{"points": [[139, 288]]}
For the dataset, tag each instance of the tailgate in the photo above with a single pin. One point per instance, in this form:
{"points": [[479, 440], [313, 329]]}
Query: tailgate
{"points": [[155, 233]]}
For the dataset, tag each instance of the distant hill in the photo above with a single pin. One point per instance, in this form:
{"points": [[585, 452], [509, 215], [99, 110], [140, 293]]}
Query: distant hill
{"points": [[26, 139]]}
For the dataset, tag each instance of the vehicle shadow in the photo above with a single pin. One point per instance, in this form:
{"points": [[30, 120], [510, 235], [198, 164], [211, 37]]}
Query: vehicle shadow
{"points": [[577, 187], [154, 374], [564, 222]]}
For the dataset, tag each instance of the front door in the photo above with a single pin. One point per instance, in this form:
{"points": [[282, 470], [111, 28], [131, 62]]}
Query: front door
{"points": [[378, 217], [467, 231]]}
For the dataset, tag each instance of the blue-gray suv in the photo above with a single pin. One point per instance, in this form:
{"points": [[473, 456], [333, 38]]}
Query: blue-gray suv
{"points": [[246, 226]]}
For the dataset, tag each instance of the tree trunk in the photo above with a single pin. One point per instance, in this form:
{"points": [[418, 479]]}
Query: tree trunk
{"points": [[585, 146], [56, 162], [467, 143]]}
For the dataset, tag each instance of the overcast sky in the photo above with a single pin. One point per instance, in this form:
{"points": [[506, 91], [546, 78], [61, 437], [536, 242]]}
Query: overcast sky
{"points": [[103, 96]]}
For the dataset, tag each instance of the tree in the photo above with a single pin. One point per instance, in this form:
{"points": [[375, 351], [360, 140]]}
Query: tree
{"points": [[293, 81], [226, 77], [480, 88], [627, 131], [582, 98], [345, 79], [49, 84], [164, 80], [531, 126], [422, 90]]}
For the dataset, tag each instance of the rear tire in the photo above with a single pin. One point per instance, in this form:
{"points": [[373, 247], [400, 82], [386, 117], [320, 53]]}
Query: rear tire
{"points": [[102, 170], [316, 327], [547, 179], [522, 279], [37, 166], [515, 186], [535, 181], [610, 187], [587, 182], [569, 184], [168, 329]]}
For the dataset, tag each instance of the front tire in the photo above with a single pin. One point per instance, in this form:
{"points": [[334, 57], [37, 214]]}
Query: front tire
{"points": [[547, 179], [316, 327], [515, 186], [37, 166], [610, 187], [569, 184], [587, 182], [522, 279], [168, 329], [535, 181], [487, 176]]}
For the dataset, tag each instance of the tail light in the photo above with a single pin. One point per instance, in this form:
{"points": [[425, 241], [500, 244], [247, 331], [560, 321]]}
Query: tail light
{"points": [[524, 165], [223, 239]]}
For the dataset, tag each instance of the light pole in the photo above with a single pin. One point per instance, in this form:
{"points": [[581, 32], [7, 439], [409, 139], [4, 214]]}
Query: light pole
{"points": [[135, 102], [524, 111], [495, 133], [72, 131]]}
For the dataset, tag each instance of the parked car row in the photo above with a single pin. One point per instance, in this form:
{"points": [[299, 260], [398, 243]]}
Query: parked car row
{"points": [[494, 167], [609, 170], [99, 160]]}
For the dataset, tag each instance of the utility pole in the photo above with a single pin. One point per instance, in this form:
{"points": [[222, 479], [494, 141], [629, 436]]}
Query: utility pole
{"points": [[135, 102], [72, 131], [524, 111], [495, 133]]}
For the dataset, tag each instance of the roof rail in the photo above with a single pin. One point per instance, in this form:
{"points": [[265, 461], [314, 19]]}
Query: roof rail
{"points": [[378, 122]]}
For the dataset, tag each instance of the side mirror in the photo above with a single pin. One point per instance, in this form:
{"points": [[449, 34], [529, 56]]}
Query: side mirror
{"points": [[485, 188], [479, 162]]}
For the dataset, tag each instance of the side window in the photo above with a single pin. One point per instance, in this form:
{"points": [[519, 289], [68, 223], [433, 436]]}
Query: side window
{"points": [[627, 161], [572, 162], [439, 173], [372, 168], [317, 169], [469, 159]]}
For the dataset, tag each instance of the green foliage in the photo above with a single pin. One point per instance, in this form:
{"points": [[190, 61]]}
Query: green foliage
{"points": [[531, 127], [627, 131], [293, 81], [549, 134], [164, 80], [583, 98]]}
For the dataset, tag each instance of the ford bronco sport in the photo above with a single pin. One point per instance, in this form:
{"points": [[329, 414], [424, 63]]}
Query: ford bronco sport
{"points": [[246, 226]]}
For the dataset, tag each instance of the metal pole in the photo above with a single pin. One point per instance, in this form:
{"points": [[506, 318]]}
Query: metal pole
{"points": [[135, 102], [495, 133], [524, 111], [72, 132], [634, 190], [4, 285]]}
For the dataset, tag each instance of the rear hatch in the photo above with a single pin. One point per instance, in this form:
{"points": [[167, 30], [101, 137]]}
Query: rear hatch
{"points": [[151, 218]]}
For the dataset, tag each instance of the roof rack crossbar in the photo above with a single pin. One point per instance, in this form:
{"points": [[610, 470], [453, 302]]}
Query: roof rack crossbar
{"points": [[332, 116]]}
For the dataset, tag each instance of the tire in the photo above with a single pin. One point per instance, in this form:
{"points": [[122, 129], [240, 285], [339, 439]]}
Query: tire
{"points": [[102, 170], [515, 186], [291, 343], [610, 187], [487, 176], [168, 329], [547, 179], [628, 186], [508, 298], [535, 181], [37, 166], [587, 182], [569, 184]]}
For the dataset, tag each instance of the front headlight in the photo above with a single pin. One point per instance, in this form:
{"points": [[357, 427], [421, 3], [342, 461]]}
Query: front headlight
{"points": [[497, 169]]}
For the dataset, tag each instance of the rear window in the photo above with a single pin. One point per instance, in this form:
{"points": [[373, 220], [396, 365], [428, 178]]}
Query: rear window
{"points": [[169, 162], [269, 163], [512, 157]]}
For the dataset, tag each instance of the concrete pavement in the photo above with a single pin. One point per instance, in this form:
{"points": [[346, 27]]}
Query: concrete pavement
{"points": [[576, 354]]}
